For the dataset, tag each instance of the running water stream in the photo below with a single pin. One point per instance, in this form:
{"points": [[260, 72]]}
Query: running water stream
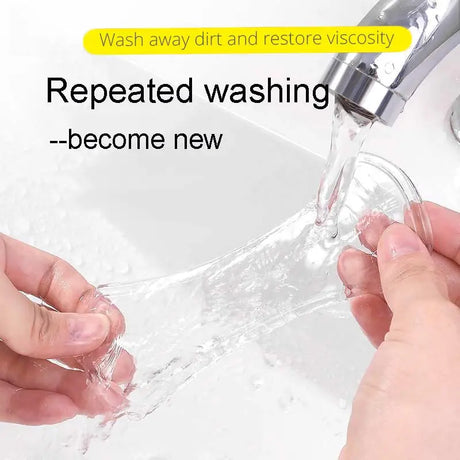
{"points": [[349, 131]]}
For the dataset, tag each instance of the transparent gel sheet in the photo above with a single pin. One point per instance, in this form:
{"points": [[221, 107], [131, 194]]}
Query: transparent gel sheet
{"points": [[178, 325]]}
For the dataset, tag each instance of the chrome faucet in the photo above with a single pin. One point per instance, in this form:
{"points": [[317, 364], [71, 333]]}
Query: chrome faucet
{"points": [[378, 85]]}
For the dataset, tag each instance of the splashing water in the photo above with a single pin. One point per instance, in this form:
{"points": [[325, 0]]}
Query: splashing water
{"points": [[349, 130], [189, 320], [179, 325]]}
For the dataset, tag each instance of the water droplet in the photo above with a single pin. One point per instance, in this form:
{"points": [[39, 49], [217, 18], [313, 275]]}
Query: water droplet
{"points": [[285, 401], [455, 119], [389, 67], [432, 3], [373, 68], [123, 268]]}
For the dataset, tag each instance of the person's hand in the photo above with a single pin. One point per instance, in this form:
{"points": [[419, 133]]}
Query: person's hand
{"points": [[408, 403], [34, 390]]}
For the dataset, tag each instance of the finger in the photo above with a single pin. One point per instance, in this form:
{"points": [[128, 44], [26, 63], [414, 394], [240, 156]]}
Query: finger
{"points": [[408, 274], [57, 283], [451, 272], [34, 407], [370, 229], [123, 368], [37, 374], [373, 315], [52, 279], [123, 371], [445, 225], [99, 304], [35, 331], [43, 275], [359, 272], [360, 275]]}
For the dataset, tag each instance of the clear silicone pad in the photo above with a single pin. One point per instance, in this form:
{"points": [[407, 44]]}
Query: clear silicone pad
{"points": [[178, 325]]}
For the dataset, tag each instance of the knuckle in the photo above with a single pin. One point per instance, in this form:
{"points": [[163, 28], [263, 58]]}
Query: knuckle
{"points": [[87, 299], [371, 392], [456, 299], [415, 271], [42, 331], [373, 389], [402, 337], [53, 274]]}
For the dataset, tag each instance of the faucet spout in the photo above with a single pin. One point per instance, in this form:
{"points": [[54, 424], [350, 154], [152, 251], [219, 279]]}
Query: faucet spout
{"points": [[378, 85]]}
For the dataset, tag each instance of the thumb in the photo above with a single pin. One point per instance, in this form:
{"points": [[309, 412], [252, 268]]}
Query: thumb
{"points": [[408, 274], [38, 332]]}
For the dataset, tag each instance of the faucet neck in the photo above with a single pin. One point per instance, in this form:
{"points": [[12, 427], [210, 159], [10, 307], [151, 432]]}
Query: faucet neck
{"points": [[381, 83]]}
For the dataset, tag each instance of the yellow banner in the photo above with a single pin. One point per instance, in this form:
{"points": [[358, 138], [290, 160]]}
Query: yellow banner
{"points": [[246, 40]]}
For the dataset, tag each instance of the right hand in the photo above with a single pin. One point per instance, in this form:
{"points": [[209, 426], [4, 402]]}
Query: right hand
{"points": [[360, 272], [408, 403]]}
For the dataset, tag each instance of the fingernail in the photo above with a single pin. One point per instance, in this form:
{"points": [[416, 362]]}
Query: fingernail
{"points": [[400, 241], [57, 408], [350, 266], [370, 229], [88, 327], [101, 305], [111, 397]]}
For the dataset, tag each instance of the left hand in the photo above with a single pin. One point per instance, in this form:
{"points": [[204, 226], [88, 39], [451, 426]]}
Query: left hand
{"points": [[33, 390]]}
